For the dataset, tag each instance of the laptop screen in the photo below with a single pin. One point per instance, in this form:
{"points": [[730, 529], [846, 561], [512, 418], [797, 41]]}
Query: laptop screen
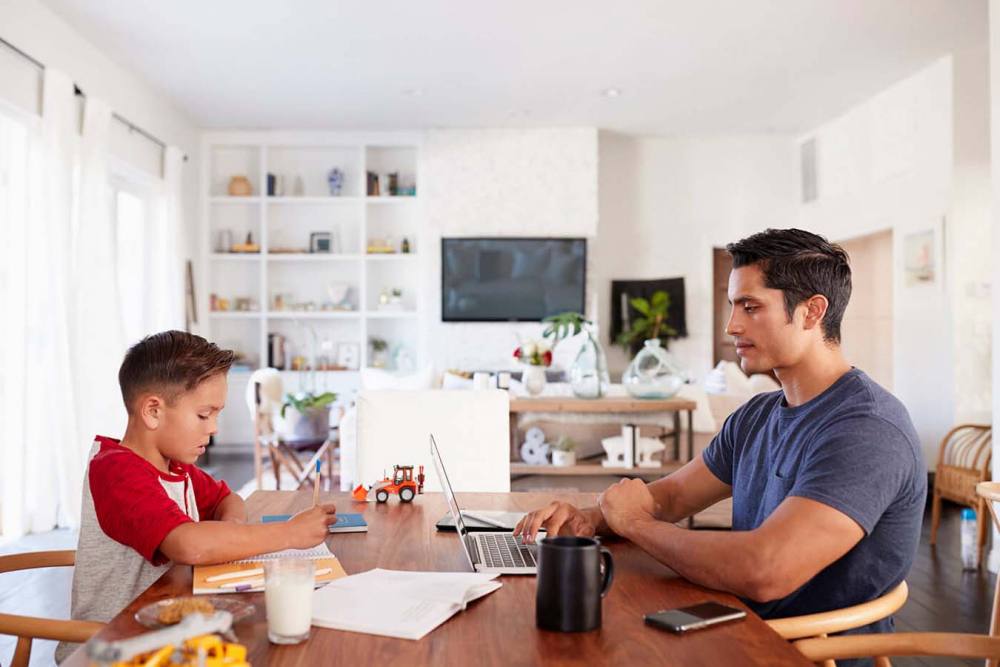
{"points": [[449, 495]]}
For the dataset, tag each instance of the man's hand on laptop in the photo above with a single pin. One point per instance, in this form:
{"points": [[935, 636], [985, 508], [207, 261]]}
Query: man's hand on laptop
{"points": [[557, 519], [626, 503]]}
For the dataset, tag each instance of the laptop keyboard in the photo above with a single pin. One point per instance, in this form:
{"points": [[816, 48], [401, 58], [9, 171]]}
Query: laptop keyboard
{"points": [[504, 550]]}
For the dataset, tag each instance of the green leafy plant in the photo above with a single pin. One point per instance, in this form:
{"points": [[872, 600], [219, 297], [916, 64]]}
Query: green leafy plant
{"points": [[379, 344], [652, 324], [563, 325], [306, 401], [564, 444]]}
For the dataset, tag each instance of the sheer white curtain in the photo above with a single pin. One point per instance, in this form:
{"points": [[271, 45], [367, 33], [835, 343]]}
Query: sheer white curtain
{"points": [[64, 339], [98, 340], [41, 422]]}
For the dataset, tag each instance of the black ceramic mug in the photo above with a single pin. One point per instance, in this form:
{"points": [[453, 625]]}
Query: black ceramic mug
{"points": [[570, 583]]}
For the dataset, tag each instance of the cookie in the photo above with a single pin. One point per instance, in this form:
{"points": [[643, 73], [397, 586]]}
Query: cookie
{"points": [[178, 609]]}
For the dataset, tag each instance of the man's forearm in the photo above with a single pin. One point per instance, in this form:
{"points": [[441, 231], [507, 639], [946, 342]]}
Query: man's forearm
{"points": [[727, 561], [232, 508], [210, 542]]}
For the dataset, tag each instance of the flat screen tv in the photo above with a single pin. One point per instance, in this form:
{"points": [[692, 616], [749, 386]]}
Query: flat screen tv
{"points": [[511, 279]]}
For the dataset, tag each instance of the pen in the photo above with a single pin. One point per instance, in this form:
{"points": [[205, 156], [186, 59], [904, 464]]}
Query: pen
{"points": [[247, 584], [242, 574], [319, 463]]}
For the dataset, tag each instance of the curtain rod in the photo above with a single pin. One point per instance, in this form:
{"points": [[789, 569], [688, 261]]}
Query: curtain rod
{"points": [[76, 90]]}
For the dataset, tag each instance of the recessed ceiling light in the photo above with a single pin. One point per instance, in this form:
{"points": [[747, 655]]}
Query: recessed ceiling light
{"points": [[612, 92]]}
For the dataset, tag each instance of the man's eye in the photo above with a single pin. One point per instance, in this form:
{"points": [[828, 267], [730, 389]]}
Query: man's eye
{"points": [[750, 309]]}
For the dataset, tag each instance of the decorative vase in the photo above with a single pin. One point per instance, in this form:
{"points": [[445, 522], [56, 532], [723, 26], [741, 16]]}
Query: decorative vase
{"points": [[654, 373], [533, 379], [239, 186], [563, 459], [335, 179], [588, 376]]}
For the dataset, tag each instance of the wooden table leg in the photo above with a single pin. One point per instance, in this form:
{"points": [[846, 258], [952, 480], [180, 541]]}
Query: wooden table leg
{"points": [[515, 451], [677, 435], [690, 436]]}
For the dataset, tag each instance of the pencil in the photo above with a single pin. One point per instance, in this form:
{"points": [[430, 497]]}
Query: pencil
{"points": [[319, 463]]}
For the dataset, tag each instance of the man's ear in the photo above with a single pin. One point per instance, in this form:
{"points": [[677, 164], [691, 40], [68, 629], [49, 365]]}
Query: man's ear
{"points": [[815, 311], [151, 411]]}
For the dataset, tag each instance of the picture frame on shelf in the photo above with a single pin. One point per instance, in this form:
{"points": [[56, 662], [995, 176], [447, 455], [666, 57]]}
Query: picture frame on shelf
{"points": [[349, 355], [320, 242]]}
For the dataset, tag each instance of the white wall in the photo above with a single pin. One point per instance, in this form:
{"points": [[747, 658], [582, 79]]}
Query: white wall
{"points": [[890, 163], [499, 182], [667, 202], [31, 27], [994, 116]]}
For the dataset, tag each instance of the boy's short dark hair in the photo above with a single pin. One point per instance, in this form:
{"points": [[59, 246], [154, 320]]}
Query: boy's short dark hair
{"points": [[170, 363], [801, 264]]}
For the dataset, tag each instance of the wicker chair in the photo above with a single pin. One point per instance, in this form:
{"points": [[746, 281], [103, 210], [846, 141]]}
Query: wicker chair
{"points": [[963, 462]]}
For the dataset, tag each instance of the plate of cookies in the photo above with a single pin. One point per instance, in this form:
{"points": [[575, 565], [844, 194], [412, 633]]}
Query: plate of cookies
{"points": [[170, 611]]}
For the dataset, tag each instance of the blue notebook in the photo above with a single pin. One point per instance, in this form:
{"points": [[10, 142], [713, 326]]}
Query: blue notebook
{"points": [[346, 523]]}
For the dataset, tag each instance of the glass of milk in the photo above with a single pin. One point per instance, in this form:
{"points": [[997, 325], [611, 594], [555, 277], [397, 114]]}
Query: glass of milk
{"points": [[288, 594]]}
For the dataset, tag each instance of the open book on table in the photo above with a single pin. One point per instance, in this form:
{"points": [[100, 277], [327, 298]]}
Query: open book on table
{"points": [[421, 601]]}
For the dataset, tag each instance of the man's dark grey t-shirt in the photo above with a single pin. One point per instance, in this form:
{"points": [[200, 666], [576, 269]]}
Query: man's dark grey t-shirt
{"points": [[852, 448]]}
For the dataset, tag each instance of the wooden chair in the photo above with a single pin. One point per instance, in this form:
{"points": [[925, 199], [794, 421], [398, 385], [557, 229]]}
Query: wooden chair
{"points": [[839, 620], [880, 647], [990, 493], [263, 404], [963, 461], [29, 628]]}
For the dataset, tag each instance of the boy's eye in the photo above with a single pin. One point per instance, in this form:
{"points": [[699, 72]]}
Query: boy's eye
{"points": [[203, 417]]}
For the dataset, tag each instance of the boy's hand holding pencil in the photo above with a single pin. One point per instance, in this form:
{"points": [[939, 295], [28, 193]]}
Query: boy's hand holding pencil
{"points": [[310, 527]]}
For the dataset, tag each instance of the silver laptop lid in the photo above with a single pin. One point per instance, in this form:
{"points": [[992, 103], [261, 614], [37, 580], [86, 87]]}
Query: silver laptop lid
{"points": [[449, 496]]}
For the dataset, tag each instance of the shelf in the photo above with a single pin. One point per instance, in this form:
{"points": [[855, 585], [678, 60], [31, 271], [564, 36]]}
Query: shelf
{"points": [[314, 200], [592, 468], [234, 256], [391, 199], [391, 314], [312, 314], [389, 256], [226, 199], [311, 257], [234, 314]]}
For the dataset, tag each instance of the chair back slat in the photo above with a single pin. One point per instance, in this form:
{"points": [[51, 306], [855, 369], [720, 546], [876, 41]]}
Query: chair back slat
{"points": [[968, 447]]}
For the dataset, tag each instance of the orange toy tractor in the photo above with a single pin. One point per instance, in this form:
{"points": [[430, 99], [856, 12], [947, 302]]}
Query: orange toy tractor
{"points": [[402, 482]]}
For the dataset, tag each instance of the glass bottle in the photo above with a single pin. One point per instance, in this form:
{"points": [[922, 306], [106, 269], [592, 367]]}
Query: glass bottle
{"points": [[588, 376], [654, 373]]}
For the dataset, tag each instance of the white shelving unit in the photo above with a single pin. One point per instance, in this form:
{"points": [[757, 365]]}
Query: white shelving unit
{"points": [[286, 222]]}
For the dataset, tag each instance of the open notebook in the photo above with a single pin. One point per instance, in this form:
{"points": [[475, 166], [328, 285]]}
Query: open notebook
{"points": [[247, 575]]}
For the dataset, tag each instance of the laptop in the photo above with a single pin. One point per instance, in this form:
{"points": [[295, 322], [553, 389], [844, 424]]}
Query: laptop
{"points": [[499, 552]]}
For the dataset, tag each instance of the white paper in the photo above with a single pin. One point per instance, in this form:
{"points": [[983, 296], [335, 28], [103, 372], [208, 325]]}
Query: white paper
{"points": [[421, 601], [316, 553]]}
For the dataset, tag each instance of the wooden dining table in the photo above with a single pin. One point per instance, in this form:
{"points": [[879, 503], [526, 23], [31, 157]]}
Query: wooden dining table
{"points": [[496, 629]]}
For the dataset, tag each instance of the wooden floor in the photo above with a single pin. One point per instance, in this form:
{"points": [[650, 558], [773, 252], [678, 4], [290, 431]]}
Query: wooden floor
{"points": [[943, 598]]}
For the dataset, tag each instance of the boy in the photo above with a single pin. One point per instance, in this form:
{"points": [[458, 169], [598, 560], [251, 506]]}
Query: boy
{"points": [[145, 505]]}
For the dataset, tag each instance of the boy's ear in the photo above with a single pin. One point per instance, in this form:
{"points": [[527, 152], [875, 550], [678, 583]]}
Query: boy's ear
{"points": [[151, 411]]}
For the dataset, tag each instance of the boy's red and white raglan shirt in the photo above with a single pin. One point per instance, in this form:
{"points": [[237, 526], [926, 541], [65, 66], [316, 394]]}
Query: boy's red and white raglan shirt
{"points": [[129, 507]]}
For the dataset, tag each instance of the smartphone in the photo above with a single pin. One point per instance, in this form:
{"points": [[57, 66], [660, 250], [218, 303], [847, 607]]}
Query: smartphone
{"points": [[694, 618]]}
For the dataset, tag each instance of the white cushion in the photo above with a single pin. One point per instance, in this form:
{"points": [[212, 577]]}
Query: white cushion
{"points": [[376, 379], [736, 380], [704, 422], [450, 381]]}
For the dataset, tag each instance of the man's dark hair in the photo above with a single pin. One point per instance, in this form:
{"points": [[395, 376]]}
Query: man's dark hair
{"points": [[801, 264], [170, 363]]}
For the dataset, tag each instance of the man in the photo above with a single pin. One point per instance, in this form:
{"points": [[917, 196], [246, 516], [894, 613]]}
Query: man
{"points": [[827, 475]]}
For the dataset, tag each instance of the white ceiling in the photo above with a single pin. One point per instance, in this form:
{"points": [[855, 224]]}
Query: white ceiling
{"points": [[683, 66]]}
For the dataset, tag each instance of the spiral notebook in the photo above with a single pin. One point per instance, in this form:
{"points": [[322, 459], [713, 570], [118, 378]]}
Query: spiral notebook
{"points": [[247, 575]]}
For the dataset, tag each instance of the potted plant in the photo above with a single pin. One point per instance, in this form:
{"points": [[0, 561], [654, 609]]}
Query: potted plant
{"points": [[310, 419], [651, 325], [564, 452], [380, 357], [537, 355]]}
